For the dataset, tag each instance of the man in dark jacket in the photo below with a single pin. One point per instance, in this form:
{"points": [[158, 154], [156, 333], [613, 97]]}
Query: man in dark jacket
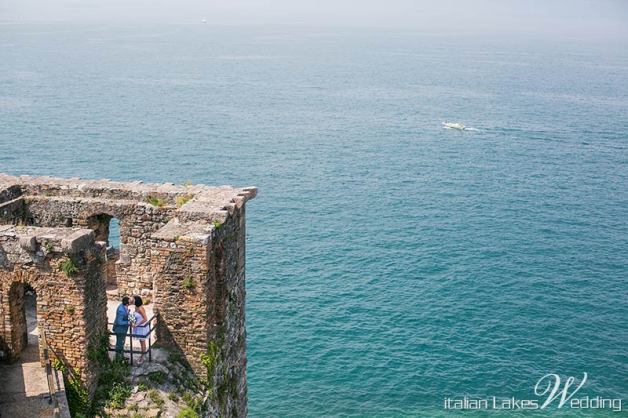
{"points": [[121, 325]]}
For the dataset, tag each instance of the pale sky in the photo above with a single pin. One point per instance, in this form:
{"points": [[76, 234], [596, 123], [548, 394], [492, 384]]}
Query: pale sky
{"points": [[599, 18]]}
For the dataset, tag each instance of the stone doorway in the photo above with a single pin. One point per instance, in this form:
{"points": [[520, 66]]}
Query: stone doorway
{"points": [[100, 225], [106, 228], [31, 352], [23, 386], [25, 330]]}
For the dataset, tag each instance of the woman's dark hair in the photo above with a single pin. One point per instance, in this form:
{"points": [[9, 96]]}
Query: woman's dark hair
{"points": [[138, 301]]}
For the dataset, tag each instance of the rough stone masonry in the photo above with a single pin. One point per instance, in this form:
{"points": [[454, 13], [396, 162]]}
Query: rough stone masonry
{"points": [[181, 246]]}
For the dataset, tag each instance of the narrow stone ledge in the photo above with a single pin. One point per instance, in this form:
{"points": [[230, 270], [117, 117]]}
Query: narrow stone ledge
{"points": [[175, 230]]}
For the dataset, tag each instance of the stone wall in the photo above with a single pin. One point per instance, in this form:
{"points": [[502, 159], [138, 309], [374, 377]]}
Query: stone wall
{"points": [[138, 220], [113, 256], [17, 338], [71, 309], [229, 316], [183, 245], [206, 273]]}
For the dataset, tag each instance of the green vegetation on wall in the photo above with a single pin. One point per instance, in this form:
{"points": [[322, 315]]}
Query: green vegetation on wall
{"points": [[69, 267]]}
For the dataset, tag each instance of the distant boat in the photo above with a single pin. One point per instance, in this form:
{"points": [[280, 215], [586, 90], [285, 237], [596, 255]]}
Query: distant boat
{"points": [[454, 125], [204, 20]]}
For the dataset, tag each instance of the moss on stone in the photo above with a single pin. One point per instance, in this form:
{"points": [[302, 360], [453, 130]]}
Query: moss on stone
{"points": [[209, 360], [189, 283]]}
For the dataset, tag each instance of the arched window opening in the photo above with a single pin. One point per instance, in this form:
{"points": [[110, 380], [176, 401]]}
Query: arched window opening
{"points": [[114, 233], [100, 224], [106, 228]]}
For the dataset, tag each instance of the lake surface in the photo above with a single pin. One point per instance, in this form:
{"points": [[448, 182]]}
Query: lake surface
{"points": [[390, 263]]}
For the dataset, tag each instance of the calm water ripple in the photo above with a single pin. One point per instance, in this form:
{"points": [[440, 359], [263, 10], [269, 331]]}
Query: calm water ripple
{"points": [[391, 263]]}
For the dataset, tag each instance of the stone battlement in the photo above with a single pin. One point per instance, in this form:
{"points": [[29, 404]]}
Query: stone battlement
{"points": [[145, 211], [182, 245], [191, 203]]}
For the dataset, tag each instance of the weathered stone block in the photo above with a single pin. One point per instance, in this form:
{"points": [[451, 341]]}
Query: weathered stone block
{"points": [[28, 243], [78, 241]]}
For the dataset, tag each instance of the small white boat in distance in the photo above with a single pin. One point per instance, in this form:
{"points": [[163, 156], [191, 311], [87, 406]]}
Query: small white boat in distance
{"points": [[454, 125], [204, 20]]}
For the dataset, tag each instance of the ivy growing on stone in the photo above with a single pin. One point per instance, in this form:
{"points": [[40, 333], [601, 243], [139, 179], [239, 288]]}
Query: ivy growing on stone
{"points": [[209, 360], [76, 393]]}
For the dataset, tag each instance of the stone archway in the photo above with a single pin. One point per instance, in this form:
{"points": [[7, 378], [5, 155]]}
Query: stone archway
{"points": [[63, 266], [65, 319], [24, 383], [23, 324]]}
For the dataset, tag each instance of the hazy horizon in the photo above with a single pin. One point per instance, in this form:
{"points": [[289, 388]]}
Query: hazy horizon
{"points": [[598, 19]]}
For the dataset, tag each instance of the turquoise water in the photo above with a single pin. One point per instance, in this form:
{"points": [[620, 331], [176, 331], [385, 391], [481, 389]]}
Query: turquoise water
{"points": [[391, 263]]}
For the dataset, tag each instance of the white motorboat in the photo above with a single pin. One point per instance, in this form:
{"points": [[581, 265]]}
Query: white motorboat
{"points": [[454, 125]]}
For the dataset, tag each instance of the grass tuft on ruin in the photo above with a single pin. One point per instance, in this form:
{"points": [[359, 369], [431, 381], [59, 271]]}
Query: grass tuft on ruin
{"points": [[189, 283], [69, 267], [183, 199], [155, 201]]}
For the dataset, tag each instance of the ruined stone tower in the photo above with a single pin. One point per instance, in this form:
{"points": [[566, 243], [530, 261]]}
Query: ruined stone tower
{"points": [[182, 246]]}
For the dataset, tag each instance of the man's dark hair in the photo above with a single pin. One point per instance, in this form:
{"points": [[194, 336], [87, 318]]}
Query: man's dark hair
{"points": [[138, 301], [125, 300]]}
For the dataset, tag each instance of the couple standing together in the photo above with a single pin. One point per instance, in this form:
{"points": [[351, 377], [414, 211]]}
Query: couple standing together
{"points": [[137, 319]]}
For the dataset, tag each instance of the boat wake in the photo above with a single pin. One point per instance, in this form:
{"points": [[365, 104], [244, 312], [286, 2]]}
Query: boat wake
{"points": [[457, 126]]}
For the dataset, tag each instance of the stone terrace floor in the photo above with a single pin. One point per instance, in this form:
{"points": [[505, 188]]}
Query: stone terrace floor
{"points": [[111, 316]]}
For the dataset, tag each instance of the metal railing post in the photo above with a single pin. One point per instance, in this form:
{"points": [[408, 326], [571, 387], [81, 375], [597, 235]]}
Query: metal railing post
{"points": [[48, 373], [130, 334], [150, 337], [131, 343], [50, 378]]}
